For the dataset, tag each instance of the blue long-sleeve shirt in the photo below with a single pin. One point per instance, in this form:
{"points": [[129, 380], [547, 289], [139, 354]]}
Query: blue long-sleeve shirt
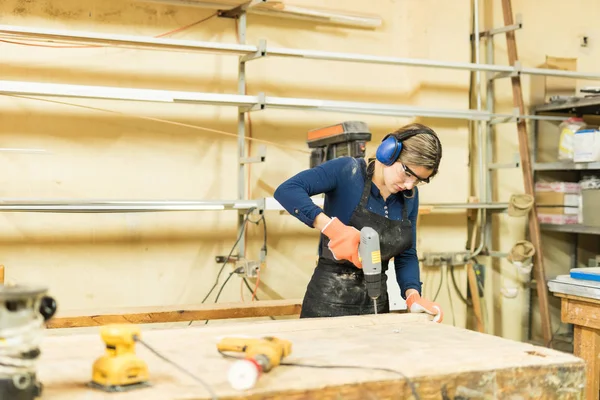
{"points": [[342, 181]]}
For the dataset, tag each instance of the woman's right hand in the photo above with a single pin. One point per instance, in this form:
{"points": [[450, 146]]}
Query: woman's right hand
{"points": [[343, 241]]}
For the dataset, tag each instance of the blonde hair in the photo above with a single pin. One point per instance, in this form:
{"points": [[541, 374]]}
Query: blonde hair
{"points": [[423, 148]]}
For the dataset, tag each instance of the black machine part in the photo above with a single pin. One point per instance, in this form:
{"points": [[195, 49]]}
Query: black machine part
{"points": [[348, 138], [20, 387]]}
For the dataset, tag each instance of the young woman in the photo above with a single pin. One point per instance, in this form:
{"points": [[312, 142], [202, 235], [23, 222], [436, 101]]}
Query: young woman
{"points": [[382, 194]]}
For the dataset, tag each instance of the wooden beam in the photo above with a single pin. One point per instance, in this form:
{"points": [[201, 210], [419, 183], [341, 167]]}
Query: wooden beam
{"points": [[151, 315], [534, 225], [474, 287]]}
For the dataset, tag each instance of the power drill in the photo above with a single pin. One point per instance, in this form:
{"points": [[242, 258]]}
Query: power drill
{"points": [[261, 355], [370, 255]]}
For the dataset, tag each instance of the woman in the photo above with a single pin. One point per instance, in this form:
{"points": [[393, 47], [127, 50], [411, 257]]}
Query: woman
{"points": [[381, 194]]}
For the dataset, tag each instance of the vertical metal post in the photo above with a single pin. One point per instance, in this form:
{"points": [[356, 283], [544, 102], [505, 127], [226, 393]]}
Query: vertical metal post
{"points": [[241, 21], [490, 137], [480, 136]]}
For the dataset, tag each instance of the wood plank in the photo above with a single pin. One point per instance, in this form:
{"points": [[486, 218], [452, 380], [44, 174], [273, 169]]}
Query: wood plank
{"points": [[577, 298], [580, 313], [525, 154], [441, 360], [475, 297], [586, 344], [161, 314]]}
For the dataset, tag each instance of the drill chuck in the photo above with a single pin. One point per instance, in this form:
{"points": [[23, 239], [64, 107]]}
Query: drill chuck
{"points": [[370, 254]]}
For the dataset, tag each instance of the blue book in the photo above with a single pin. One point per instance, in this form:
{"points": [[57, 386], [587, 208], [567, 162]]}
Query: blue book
{"points": [[588, 274]]}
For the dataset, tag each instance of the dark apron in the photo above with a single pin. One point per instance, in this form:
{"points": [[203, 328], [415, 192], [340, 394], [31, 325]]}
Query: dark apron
{"points": [[338, 288]]}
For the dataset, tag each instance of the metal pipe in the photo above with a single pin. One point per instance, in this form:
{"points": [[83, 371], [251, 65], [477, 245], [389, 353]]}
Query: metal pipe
{"points": [[267, 204], [133, 41], [480, 143], [241, 31], [97, 206]]}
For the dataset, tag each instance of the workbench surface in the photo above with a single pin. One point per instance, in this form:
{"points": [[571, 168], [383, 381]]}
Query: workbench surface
{"points": [[441, 361]]}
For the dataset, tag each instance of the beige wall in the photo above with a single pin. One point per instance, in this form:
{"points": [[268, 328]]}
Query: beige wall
{"points": [[119, 260]]}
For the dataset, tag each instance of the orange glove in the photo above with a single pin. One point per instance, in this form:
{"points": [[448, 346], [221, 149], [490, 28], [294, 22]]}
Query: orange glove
{"points": [[416, 303], [343, 241]]}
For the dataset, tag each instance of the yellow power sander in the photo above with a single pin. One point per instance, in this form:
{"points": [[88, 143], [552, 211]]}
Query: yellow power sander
{"points": [[119, 369]]}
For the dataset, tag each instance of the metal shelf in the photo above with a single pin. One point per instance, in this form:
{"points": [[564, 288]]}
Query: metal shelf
{"points": [[144, 42], [565, 166], [126, 206], [170, 96], [571, 228], [575, 105], [122, 206]]}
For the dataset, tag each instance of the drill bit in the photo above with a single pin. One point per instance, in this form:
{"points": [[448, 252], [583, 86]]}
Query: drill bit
{"points": [[375, 305]]}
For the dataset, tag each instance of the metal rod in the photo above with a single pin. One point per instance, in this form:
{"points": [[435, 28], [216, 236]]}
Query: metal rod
{"points": [[241, 31], [116, 206], [480, 138], [134, 41], [266, 204], [490, 137], [123, 41]]}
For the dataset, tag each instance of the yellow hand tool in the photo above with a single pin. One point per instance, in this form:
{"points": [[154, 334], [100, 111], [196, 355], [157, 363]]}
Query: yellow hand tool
{"points": [[119, 369], [261, 355]]}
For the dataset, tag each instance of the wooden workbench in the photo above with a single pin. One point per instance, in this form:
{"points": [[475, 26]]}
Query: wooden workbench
{"points": [[580, 306], [443, 362]]}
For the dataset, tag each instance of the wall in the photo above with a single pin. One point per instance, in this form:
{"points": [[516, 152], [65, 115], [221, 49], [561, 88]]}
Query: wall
{"points": [[120, 260]]}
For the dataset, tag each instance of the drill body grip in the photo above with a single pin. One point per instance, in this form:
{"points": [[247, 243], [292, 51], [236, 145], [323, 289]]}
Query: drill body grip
{"points": [[370, 254]]}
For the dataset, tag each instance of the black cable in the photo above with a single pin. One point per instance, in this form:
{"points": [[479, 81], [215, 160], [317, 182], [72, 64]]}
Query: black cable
{"points": [[411, 384], [439, 287], [185, 371], [246, 219], [242, 229], [462, 298], [450, 298]]}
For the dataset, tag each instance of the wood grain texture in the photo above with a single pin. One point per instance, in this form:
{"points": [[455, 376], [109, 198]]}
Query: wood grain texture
{"points": [[586, 344], [525, 154], [441, 360], [161, 314], [580, 313]]}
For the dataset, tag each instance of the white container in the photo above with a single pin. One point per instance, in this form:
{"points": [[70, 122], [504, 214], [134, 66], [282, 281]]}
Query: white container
{"points": [[586, 146]]}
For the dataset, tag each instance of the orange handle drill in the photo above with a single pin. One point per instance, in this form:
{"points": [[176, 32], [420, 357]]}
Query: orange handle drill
{"points": [[261, 355]]}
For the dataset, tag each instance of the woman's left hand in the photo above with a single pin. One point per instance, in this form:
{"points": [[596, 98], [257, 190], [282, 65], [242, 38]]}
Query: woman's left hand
{"points": [[416, 303]]}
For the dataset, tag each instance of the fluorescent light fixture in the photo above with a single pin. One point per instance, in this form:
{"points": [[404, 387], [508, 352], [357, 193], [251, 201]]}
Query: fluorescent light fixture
{"points": [[333, 17], [279, 9]]}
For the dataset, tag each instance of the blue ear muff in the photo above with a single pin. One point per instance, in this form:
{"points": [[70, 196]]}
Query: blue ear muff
{"points": [[389, 150]]}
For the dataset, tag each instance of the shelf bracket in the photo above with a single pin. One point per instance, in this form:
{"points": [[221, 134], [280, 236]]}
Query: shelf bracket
{"points": [[239, 10], [515, 117], [262, 155], [260, 105], [260, 53], [503, 29], [517, 69], [515, 164]]}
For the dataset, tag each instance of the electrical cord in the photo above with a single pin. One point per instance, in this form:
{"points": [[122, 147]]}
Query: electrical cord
{"points": [[230, 253], [462, 298], [450, 297], [411, 384], [439, 287], [264, 248], [179, 367]]}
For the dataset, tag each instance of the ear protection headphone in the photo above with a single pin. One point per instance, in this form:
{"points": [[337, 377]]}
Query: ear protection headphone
{"points": [[390, 147]]}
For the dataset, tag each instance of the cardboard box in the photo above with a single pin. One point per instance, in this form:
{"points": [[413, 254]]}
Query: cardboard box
{"points": [[544, 87], [586, 145], [591, 207], [558, 202]]}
